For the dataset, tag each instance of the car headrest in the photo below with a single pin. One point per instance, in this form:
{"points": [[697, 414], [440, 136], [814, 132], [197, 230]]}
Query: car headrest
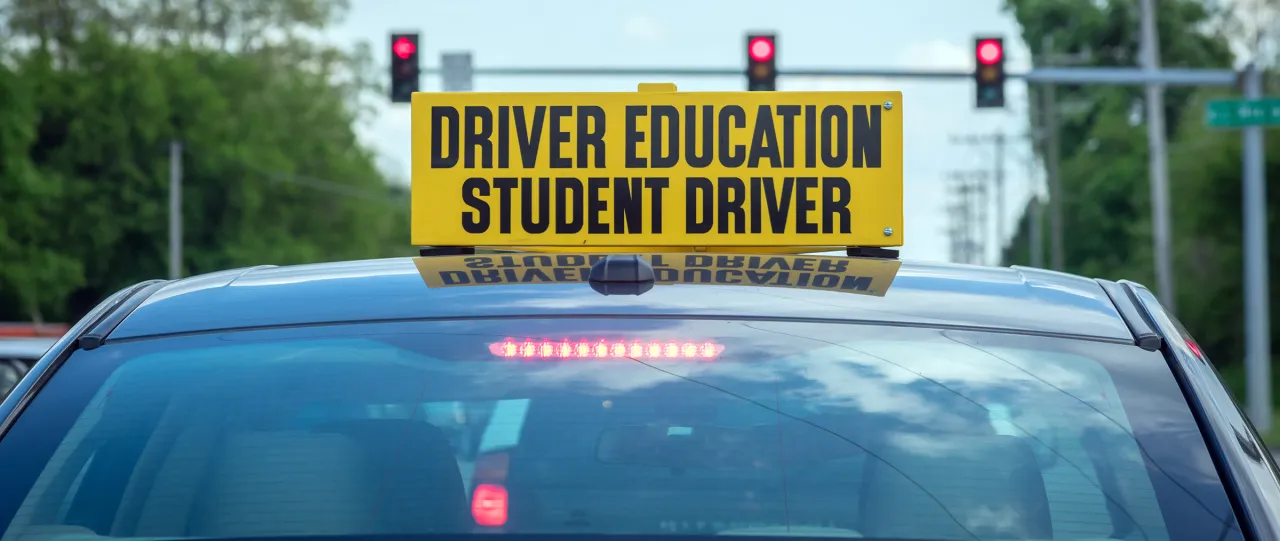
{"points": [[938, 486], [267, 484], [417, 486]]}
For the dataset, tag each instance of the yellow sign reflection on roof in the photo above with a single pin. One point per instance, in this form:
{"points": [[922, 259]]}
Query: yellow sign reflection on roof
{"points": [[845, 274]]}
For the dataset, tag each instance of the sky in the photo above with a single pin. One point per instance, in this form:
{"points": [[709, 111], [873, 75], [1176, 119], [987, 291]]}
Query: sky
{"points": [[900, 34]]}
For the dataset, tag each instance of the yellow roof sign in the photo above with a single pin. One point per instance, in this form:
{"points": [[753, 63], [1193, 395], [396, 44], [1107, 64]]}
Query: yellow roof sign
{"points": [[847, 274], [657, 168]]}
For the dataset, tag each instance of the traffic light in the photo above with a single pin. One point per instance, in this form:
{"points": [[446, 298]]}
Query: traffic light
{"points": [[404, 67], [988, 56], [762, 49]]}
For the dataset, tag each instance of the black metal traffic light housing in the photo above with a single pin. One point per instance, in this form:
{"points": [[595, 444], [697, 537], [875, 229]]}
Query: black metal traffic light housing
{"points": [[404, 67], [988, 73], [762, 53]]}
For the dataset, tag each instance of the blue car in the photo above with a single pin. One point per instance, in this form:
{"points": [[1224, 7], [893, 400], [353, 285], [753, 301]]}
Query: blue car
{"points": [[554, 394]]}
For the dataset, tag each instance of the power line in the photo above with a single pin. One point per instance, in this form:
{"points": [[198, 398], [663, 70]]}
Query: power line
{"points": [[328, 186], [319, 184]]}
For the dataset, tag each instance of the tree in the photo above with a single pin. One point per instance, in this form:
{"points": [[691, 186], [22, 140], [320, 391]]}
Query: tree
{"points": [[273, 172], [1106, 202]]}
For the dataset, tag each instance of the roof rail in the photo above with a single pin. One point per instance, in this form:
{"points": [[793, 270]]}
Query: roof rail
{"points": [[1144, 333], [852, 251], [96, 334]]}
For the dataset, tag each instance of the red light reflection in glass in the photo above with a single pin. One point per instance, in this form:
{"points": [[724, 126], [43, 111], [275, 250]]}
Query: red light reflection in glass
{"points": [[602, 349], [1195, 348], [489, 505]]}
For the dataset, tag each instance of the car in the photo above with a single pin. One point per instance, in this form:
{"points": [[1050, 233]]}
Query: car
{"points": [[21, 345], [668, 352], [349, 398]]}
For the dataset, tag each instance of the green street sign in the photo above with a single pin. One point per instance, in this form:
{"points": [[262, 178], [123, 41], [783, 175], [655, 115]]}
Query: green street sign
{"points": [[1242, 113]]}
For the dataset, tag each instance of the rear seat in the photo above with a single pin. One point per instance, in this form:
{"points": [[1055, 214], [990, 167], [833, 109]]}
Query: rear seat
{"points": [[964, 486], [285, 483], [350, 478]]}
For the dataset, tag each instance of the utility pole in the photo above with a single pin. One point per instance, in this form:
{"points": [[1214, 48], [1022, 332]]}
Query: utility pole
{"points": [[957, 224], [175, 209], [1159, 163], [1257, 309], [960, 220], [1049, 108], [1035, 232], [997, 174], [968, 213]]}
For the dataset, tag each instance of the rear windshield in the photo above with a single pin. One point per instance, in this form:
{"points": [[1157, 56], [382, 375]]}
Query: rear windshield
{"points": [[611, 426]]}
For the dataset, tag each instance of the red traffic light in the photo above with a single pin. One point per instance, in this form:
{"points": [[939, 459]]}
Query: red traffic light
{"points": [[760, 49], [403, 48], [989, 51]]}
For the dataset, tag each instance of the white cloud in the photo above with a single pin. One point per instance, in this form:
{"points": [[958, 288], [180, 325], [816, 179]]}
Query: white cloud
{"points": [[935, 54], [643, 28]]}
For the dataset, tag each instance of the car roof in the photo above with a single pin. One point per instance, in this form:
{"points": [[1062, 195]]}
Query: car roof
{"points": [[963, 296], [25, 348]]}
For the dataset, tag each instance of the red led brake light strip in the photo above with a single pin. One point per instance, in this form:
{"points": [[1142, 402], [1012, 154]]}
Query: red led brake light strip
{"points": [[601, 349]]}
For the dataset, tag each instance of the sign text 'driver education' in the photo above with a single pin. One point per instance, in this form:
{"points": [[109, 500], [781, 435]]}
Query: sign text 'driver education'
{"points": [[658, 169]]}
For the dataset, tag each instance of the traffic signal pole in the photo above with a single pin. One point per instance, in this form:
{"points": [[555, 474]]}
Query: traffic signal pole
{"points": [[1257, 308], [1062, 76], [175, 209], [1158, 160]]}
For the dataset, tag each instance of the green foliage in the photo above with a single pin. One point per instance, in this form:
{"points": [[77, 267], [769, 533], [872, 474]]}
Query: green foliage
{"points": [[1104, 166], [88, 109]]}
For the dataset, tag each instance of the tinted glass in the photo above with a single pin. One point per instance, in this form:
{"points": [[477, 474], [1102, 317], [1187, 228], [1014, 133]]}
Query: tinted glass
{"points": [[11, 372], [724, 427]]}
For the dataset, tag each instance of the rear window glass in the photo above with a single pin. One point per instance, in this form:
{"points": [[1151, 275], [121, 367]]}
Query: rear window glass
{"points": [[540, 426]]}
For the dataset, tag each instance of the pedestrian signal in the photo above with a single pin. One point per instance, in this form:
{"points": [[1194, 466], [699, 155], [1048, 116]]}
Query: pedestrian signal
{"points": [[989, 72], [761, 52], [404, 67]]}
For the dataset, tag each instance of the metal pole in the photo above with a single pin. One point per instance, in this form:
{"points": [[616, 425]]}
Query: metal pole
{"points": [[1035, 232], [1257, 310], [1161, 230], [976, 231], [175, 210], [999, 186], [1052, 148]]}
